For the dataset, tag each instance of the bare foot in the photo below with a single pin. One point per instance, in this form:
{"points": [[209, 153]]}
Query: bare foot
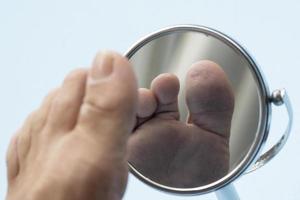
{"points": [[73, 146], [180, 154]]}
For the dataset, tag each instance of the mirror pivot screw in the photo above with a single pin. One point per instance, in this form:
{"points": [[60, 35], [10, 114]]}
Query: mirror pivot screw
{"points": [[278, 97]]}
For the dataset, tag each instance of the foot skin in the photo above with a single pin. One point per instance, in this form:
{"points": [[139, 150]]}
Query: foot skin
{"points": [[73, 146], [179, 154]]}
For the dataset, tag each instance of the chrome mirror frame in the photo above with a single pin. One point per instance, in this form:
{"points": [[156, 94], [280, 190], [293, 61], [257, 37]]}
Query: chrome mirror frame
{"points": [[254, 159]]}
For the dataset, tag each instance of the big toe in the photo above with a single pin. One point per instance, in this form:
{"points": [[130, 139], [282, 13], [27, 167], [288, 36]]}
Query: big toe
{"points": [[109, 106], [209, 97]]}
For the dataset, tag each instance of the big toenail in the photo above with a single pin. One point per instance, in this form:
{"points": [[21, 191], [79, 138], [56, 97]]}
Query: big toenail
{"points": [[102, 66]]}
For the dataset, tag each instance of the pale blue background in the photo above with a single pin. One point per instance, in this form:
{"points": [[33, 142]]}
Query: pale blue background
{"points": [[40, 41]]}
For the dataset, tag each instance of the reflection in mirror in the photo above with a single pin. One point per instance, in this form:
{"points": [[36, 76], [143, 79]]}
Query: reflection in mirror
{"points": [[198, 113]]}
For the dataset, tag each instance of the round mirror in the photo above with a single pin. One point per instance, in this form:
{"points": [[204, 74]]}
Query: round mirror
{"points": [[203, 113]]}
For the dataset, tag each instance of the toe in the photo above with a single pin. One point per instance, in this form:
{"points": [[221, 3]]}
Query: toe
{"points": [[66, 105], [146, 106], [146, 103], [12, 161], [21, 141], [166, 88], [37, 120], [109, 108], [209, 97]]}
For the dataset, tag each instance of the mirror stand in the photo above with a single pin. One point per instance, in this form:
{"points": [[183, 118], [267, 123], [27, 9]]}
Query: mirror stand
{"points": [[227, 193]]}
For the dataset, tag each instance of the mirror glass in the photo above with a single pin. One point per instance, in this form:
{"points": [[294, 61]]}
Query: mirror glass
{"points": [[201, 136]]}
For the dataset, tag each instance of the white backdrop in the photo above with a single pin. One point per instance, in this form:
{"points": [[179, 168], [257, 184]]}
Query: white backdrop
{"points": [[41, 41]]}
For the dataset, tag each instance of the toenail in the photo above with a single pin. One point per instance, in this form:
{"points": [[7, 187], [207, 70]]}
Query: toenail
{"points": [[102, 66]]}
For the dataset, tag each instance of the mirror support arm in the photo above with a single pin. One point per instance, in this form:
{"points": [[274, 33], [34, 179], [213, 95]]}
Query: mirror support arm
{"points": [[279, 97]]}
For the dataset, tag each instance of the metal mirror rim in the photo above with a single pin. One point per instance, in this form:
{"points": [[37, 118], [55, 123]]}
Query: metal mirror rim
{"points": [[264, 123]]}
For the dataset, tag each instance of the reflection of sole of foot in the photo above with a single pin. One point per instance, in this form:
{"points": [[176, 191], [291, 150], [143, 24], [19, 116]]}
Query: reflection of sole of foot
{"points": [[73, 146], [179, 154]]}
